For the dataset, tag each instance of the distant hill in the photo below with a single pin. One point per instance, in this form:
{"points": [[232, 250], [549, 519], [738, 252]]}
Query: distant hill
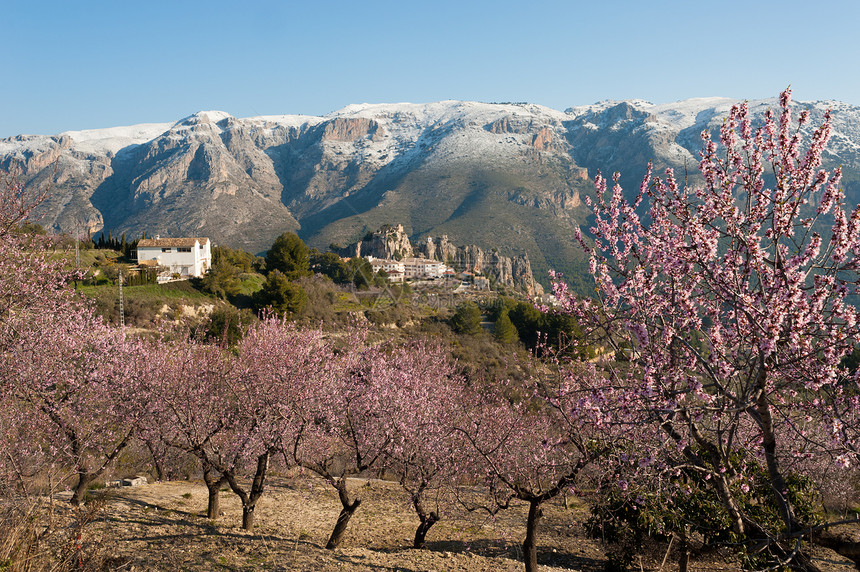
{"points": [[506, 176]]}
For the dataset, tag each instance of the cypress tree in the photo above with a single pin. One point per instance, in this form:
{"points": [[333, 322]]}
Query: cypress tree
{"points": [[505, 331]]}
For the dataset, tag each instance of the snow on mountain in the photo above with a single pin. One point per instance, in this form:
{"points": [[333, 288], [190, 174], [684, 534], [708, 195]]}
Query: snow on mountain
{"points": [[22, 144], [112, 139], [407, 123], [416, 128], [295, 121], [459, 159], [89, 141]]}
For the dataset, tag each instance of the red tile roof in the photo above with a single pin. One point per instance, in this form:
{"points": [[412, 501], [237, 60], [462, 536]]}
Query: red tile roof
{"points": [[169, 242]]}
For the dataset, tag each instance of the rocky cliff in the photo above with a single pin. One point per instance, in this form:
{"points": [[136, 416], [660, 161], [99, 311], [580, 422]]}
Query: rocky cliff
{"points": [[392, 242], [389, 242], [511, 271]]}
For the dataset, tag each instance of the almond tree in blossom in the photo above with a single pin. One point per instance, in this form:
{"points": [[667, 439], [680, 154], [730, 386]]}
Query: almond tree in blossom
{"points": [[30, 283], [276, 360], [428, 393], [732, 297], [64, 371], [73, 376], [532, 443], [345, 419], [189, 406], [218, 407]]}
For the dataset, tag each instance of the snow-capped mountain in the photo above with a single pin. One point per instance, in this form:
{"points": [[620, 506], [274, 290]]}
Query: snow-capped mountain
{"points": [[497, 175]]}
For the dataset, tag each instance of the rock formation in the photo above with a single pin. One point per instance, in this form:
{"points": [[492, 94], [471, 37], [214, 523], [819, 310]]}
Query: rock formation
{"points": [[389, 242], [392, 242]]}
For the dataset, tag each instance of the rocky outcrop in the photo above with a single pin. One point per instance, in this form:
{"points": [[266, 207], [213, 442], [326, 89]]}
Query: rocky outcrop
{"points": [[559, 202], [392, 242], [515, 124], [542, 140], [511, 271], [38, 153], [352, 129]]}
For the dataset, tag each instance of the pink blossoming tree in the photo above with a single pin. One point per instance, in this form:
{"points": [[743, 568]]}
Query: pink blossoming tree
{"points": [[277, 363], [425, 454], [731, 298], [344, 420], [531, 443], [65, 374], [189, 407]]}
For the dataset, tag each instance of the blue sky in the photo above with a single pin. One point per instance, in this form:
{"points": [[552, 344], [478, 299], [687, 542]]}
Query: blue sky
{"points": [[71, 65]]}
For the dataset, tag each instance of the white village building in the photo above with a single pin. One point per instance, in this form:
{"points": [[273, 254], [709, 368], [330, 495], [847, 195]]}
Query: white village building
{"points": [[424, 268], [409, 268], [184, 256], [394, 268], [386, 265]]}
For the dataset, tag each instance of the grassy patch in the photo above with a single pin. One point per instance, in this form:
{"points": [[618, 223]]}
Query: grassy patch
{"points": [[142, 304], [251, 282], [180, 290]]}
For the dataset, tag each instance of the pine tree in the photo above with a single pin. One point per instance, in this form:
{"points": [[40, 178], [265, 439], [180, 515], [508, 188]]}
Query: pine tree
{"points": [[467, 319], [505, 331]]}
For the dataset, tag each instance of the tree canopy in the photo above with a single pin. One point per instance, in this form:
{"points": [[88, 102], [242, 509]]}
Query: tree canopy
{"points": [[289, 255]]}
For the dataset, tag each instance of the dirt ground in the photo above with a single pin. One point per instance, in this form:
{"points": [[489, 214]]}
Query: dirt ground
{"points": [[162, 526]]}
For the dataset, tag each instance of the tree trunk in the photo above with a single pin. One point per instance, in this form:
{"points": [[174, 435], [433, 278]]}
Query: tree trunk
{"points": [[248, 517], [80, 490], [84, 475], [683, 551], [427, 521], [156, 460], [345, 514], [213, 507], [249, 501], [721, 484], [213, 485], [768, 439], [530, 543]]}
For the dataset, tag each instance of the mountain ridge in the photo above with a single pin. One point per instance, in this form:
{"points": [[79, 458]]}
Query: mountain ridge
{"points": [[506, 175]]}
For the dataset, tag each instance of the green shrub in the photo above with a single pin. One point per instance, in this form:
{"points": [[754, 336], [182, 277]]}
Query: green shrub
{"points": [[229, 324], [467, 319], [280, 295], [504, 331], [289, 255], [626, 519]]}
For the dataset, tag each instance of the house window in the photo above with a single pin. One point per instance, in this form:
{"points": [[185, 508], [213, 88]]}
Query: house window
{"points": [[183, 249], [165, 250]]}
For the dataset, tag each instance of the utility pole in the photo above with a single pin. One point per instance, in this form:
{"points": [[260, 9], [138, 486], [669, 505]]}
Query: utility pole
{"points": [[121, 309], [77, 251]]}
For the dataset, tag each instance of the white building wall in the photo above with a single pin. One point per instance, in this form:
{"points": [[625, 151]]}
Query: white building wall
{"points": [[186, 261]]}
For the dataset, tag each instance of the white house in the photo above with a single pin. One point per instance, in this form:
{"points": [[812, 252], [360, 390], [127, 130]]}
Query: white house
{"points": [[410, 268], [423, 268], [184, 256], [388, 266]]}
